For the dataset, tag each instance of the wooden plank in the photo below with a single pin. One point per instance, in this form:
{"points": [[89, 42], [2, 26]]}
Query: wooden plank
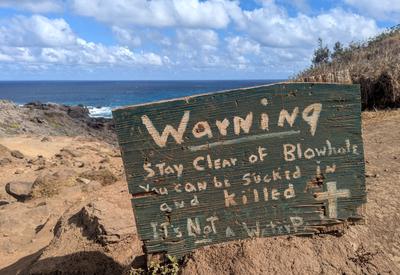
{"points": [[264, 161]]}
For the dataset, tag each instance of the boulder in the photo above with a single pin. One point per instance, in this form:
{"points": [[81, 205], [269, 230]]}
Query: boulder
{"points": [[17, 154], [48, 185], [19, 189]]}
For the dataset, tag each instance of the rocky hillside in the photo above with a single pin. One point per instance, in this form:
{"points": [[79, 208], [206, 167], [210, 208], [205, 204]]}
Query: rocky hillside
{"points": [[52, 120], [374, 64]]}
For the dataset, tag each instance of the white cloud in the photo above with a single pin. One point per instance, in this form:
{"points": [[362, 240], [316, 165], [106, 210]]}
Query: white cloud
{"points": [[36, 31], [241, 45], [42, 41], [182, 33], [126, 37], [273, 27], [269, 24], [379, 9], [36, 6], [190, 39], [159, 13]]}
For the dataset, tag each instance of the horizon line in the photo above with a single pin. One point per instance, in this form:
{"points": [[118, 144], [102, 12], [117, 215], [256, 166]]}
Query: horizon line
{"points": [[126, 80]]}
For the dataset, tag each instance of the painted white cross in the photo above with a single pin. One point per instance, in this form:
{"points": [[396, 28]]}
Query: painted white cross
{"points": [[332, 194]]}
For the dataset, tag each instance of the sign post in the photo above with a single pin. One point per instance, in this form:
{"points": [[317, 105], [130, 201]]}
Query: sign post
{"points": [[264, 161]]}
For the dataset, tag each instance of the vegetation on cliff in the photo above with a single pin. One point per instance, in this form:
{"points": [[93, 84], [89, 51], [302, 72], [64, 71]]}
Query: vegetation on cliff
{"points": [[374, 64]]}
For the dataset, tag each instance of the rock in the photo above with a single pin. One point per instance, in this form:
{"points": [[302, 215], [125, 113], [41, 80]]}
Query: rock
{"points": [[95, 124], [93, 238], [78, 112], [83, 180], [37, 120], [104, 160], [48, 185], [40, 167], [45, 186], [7, 199], [19, 189], [104, 176], [5, 161], [106, 223], [79, 164], [3, 202], [39, 160], [17, 154], [45, 139], [71, 153], [19, 171]]}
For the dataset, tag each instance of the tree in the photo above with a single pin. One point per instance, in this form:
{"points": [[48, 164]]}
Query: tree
{"points": [[321, 54], [338, 51]]}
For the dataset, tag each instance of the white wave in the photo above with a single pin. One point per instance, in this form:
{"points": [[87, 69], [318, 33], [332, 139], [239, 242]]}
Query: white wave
{"points": [[100, 111]]}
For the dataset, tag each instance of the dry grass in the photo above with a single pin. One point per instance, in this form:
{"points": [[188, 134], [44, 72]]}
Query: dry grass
{"points": [[375, 65]]}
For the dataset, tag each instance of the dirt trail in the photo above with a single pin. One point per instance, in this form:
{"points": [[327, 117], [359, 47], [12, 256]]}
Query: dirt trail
{"points": [[32, 146]]}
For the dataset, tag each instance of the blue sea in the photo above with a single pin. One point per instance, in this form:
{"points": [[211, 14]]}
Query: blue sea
{"points": [[102, 96]]}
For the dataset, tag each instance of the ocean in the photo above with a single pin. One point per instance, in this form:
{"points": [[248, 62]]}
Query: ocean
{"points": [[100, 97]]}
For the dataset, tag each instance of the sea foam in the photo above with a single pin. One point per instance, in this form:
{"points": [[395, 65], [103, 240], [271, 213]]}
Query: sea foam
{"points": [[100, 111]]}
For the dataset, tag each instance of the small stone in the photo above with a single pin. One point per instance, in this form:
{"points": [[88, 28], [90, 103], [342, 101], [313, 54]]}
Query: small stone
{"points": [[3, 202], [5, 161], [70, 153], [83, 180], [19, 171], [39, 160], [39, 120], [104, 160], [79, 164], [40, 167], [45, 139], [19, 189], [17, 154]]}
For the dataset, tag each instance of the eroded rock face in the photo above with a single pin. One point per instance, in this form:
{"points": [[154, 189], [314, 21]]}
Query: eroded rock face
{"points": [[105, 223], [20, 190], [93, 238]]}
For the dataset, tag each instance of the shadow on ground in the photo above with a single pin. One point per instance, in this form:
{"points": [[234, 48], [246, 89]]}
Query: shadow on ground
{"points": [[90, 262]]}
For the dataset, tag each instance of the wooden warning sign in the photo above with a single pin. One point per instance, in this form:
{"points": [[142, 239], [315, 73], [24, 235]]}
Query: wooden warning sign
{"points": [[257, 162]]}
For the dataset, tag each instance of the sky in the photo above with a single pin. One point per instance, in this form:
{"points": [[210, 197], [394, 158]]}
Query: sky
{"points": [[177, 39]]}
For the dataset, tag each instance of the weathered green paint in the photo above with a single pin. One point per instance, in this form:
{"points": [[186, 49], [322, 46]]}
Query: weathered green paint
{"points": [[209, 220]]}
